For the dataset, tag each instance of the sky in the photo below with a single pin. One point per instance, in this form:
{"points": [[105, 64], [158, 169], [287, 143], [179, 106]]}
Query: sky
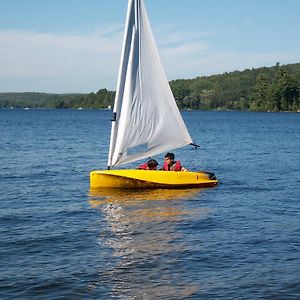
{"points": [[74, 46]]}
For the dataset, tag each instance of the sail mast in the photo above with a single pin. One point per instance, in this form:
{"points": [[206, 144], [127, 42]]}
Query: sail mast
{"points": [[121, 80]]}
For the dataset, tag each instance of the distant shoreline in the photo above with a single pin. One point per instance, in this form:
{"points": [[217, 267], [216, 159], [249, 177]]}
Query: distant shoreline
{"points": [[263, 89], [109, 110]]}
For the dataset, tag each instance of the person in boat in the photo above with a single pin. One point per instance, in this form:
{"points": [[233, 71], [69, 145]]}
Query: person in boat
{"points": [[151, 164], [171, 165]]}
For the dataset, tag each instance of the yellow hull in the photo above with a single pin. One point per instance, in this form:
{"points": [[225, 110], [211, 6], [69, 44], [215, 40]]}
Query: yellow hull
{"points": [[133, 179]]}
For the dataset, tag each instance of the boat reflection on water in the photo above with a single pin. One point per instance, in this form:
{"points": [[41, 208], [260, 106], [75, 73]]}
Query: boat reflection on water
{"points": [[134, 200], [100, 196], [146, 243]]}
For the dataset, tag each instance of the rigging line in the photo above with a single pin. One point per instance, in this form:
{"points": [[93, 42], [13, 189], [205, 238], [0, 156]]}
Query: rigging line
{"points": [[193, 157]]}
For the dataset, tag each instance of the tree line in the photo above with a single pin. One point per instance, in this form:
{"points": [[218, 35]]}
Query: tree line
{"points": [[102, 99], [263, 89]]}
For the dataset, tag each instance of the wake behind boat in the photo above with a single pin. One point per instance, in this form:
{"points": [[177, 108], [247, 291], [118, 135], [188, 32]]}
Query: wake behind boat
{"points": [[144, 112]]}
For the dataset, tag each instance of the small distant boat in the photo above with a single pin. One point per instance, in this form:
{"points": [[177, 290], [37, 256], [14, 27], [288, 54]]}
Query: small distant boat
{"points": [[146, 120]]}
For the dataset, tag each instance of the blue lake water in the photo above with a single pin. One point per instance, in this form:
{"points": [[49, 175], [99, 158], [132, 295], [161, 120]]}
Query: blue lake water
{"points": [[59, 240]]}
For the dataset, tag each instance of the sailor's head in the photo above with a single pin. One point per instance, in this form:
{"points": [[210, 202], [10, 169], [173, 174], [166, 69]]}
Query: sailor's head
{"points": [[169, 157], [152, 164]]}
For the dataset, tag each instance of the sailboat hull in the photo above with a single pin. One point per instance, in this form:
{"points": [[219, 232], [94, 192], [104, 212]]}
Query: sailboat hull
{"points": [[134, 179]]}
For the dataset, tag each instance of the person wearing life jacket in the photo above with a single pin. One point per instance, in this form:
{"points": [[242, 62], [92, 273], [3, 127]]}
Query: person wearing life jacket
{"points": [[151, 164], [171, 165]]}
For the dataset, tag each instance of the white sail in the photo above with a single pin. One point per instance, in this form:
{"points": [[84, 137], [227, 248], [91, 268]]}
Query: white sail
{"points": [[147, 121]]}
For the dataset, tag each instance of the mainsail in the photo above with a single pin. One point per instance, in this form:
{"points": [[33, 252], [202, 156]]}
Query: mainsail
{"points": [[146, 118]]}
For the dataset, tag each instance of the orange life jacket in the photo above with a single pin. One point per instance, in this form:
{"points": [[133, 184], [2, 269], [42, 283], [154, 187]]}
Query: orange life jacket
{"points": [[143, 167], [175, 167]]}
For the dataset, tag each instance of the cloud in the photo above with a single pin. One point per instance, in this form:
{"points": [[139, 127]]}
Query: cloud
{"points": [[192, 53], [39, 55], [172, 35], [207, 63], [49, 62]]}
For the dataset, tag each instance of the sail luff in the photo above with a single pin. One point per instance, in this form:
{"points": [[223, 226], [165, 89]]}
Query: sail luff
{"points": [[120, 82]]}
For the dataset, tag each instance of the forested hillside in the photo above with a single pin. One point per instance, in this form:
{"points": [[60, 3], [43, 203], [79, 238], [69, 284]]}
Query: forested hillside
{"points": [[275, 88], [102, 99], [263, 89]]}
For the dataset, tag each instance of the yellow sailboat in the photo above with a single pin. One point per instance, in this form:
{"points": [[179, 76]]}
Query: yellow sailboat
{"points": [[150, 179], [144, 113]]}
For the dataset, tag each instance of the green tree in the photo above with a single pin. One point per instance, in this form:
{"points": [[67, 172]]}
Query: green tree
{"points": [[261, 93], [285, 92], [180, 89]]}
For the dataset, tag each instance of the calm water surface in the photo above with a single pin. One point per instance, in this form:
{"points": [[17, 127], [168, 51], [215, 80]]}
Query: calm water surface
{"points": [[59, 240]]}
